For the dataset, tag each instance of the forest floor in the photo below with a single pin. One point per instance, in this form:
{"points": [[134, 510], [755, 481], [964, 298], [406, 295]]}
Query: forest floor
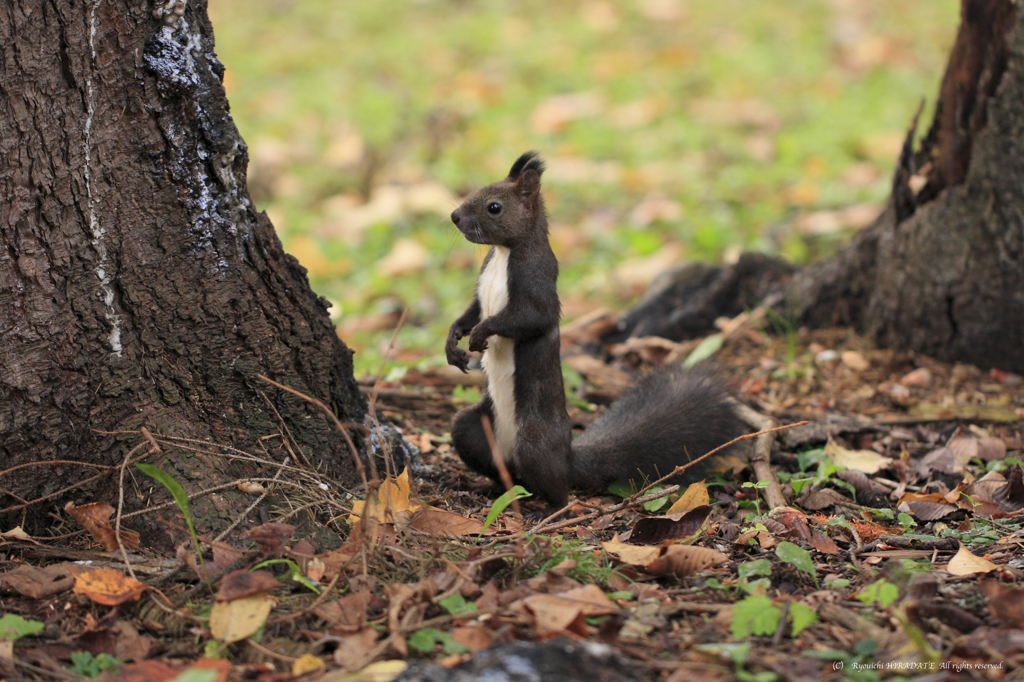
{"points": [[898, 552]]}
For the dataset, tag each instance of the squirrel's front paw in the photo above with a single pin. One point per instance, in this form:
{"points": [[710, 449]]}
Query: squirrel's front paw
{"points": [[478, 340], [457, 357]]}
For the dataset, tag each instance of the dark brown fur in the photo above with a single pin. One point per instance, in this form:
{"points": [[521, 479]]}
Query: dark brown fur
{"points": [[667, 419]]}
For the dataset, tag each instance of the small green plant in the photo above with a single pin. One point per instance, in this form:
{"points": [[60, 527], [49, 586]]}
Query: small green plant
{"points": [[181, 499], [758, 615], [760, 485], [881, 592], [85, 664], [750, 569], [294, 572], [704, 350], [518, 492], [457, 605], [625, 488], [426, 639], [907, 521], [13, 627], [798, 557]]}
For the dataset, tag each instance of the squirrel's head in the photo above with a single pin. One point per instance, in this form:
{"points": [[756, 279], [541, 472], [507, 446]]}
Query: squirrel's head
{"points": [[508, 211]]}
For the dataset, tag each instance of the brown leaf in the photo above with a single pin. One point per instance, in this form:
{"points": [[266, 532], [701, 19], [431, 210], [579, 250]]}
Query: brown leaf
{"points": [[652, 530], [966, 563], [926, 511], [1011, 497], [435, 521], [684, 560], [223, 556], [354, 650], [94, 518], [820, 499], [1005, 602], [272, 538], [239, 584], [108, 586], [348, 613], [476, 637], [822, 542], [631, 554], [37, 583], [695, 496], [868, 461], [235, 620]]}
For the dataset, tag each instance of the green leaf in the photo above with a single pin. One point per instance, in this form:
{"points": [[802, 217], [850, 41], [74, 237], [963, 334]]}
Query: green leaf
{"points": [[756, 567], [518, 492], [294, 572], [906, 520], [622, 487], [177, 492], [625, 595], [800, 617], [14, 627], [424, 641], [754, 616], [704, 350], [801, 558], [654, 505], [759, 586], [881, 592], [85, 664], [456, 604]]}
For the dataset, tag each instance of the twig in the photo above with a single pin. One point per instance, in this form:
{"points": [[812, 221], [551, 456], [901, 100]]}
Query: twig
{"points": [[373, 399], [499, 462], [762, 455], [153, 447]]}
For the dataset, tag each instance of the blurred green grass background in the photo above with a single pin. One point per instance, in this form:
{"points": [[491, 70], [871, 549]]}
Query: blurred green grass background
{"points": [[674, 129]]}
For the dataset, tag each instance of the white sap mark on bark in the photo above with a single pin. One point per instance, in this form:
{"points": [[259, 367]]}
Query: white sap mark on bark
{"points": [[106, 291], [499, 361]]}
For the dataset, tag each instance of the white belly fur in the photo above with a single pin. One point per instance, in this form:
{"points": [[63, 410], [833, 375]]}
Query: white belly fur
{"points": [[499, 358]]}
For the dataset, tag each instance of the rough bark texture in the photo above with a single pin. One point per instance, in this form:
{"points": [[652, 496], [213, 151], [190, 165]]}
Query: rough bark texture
{"points": [[942, 269], [138, 286]]}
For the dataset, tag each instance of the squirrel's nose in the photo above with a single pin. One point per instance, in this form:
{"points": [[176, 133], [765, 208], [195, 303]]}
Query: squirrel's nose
{"points": [[456, 217]]}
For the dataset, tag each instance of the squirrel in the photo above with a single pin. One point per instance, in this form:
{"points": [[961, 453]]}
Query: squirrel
{"points": [[667, 418]]}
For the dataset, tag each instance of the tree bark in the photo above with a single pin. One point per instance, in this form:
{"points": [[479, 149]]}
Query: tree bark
{"points": [[138, 285], [941, 271]]}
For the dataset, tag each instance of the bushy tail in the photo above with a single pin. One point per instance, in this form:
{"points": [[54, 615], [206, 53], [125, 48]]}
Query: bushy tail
{"points": [[668, 418]]}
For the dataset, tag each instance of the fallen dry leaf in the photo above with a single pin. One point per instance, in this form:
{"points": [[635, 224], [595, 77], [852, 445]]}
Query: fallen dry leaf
{"points": [[867, 461], [239, 584], [695, 496], [94, 518], [306, 663], [684, 560], [108, 586], [37, 583], [651, 530], [631, 554], [231, 621], [440, 522], [966, 563], [354, 650], [1005, 602], [476, 637], [272, 538]]}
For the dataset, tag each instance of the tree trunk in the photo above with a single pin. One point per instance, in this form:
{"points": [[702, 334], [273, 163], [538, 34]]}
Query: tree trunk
{"points": [[138, 285], [941, 271]]}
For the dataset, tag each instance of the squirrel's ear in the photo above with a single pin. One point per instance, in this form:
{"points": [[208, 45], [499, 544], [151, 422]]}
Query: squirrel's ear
{"points": [[528, 186]]}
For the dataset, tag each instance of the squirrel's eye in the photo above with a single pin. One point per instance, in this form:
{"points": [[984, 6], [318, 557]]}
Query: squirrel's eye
{"points": [[494, 208]]}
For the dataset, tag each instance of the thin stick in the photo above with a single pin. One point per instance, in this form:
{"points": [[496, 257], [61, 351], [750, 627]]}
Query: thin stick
{"points": [[120, 498], [373, 399], [499, 462]]}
